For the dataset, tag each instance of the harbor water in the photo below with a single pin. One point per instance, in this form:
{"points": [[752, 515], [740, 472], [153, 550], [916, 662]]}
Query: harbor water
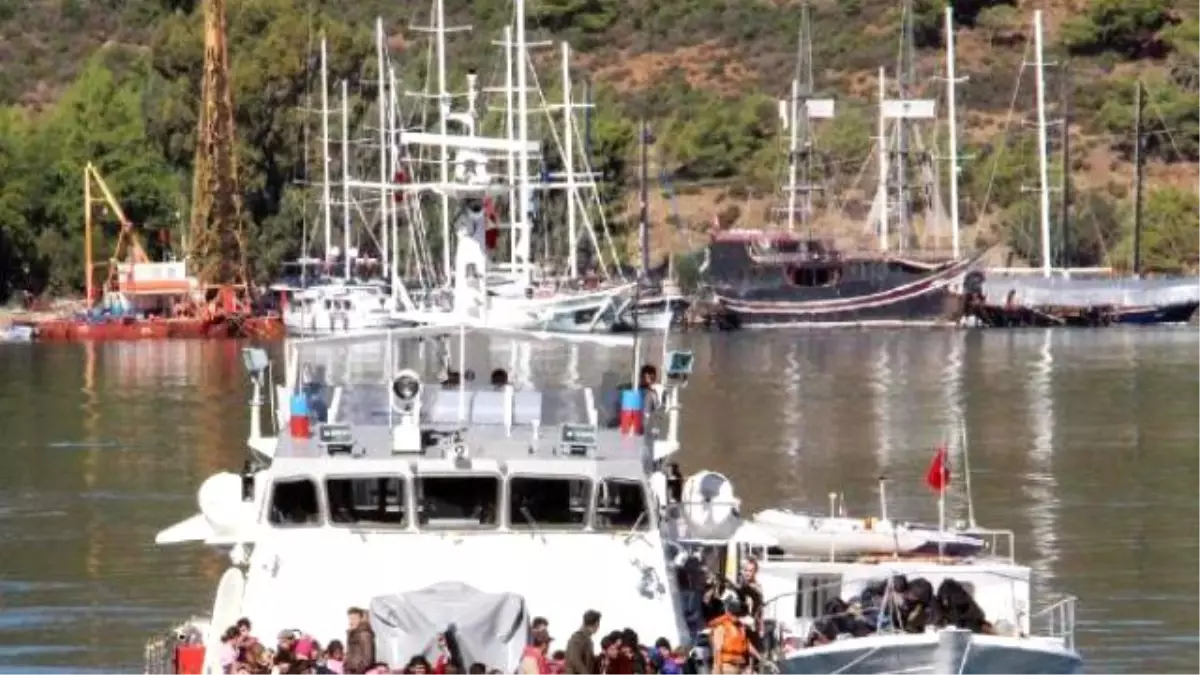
{"points": [[1085, 443]]}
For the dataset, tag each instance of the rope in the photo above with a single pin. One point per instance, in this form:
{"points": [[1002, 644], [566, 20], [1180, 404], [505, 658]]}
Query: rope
{"points": [[962, 665]]}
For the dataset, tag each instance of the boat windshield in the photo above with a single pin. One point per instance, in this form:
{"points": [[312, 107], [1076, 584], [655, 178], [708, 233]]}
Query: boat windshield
{"points": [[548, 502], [457, 502], [294, 503], [621, 505], [367, 501]]}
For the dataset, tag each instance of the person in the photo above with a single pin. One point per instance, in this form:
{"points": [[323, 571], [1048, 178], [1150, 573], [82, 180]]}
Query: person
{"points": [[360, 642], [499, 378], [533, 660], [538, 625], [581, 652], [610, 656], [335, 655], [631, 650], [647, 378], [674, 483], [750, 594], [229, 650], [663, 659], [731, 647]]}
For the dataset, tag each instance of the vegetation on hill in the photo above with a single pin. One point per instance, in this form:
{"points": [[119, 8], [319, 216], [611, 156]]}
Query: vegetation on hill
{"points": [[118, 84]]}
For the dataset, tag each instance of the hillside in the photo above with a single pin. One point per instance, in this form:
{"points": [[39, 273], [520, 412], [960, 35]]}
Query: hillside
{"points": [[117, 83]]}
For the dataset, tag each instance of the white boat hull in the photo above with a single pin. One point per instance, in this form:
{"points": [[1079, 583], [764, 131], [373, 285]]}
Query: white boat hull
{"points": [[803, 535], [947, 651]]}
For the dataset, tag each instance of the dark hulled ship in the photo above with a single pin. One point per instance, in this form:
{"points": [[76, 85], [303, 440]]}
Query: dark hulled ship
{"points": [[765, 278]]}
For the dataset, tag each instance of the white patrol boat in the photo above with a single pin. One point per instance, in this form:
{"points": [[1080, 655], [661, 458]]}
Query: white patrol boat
{"points": [[440, 506], [839, 610]]}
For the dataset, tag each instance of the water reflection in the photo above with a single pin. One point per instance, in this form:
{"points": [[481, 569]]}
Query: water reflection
{"points": [[1041, 486]]}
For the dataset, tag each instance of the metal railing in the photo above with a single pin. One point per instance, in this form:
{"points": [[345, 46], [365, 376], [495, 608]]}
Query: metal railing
{"points": [[1058, 620]]}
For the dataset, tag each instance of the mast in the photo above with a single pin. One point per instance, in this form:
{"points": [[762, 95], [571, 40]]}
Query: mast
{"points": [[1139, 161], [346, 179], [326, 198], [1064, 220], [522, 65], [881, 194], [1044, 181], [798, 114], [443, 113], [950, 103], [644, 187], [510, 132], [384, 223], [569, 160], [905, 80], [793, 151]]}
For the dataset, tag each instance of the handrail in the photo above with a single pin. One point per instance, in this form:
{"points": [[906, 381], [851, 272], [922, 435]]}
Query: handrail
{"points": [[1060, 621]]}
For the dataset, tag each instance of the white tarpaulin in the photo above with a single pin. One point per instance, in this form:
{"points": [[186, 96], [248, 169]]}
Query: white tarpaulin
{"points": [[488, 628], [1040, 292]]}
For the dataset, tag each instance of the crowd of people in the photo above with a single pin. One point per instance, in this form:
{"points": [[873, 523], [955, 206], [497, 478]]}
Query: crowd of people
{"points": [[900, 604], [295, 653]]}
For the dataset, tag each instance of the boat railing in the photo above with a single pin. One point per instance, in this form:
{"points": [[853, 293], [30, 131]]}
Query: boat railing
{"points": [[1056, 621], [999, 543]]}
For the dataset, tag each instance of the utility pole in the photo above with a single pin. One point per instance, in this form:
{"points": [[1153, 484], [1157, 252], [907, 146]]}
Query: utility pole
{"points": [[1139, 161], [644, 216]]}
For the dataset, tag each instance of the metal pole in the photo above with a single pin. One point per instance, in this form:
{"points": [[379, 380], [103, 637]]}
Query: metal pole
{"points": [[950, 82], [1065, 215], [346, 177], [1044, 181], [326, 198], [1139, 161], [569, 160], [384, 222]]}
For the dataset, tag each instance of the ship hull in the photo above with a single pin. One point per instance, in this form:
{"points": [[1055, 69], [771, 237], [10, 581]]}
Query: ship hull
{"points": [[881, 296]]}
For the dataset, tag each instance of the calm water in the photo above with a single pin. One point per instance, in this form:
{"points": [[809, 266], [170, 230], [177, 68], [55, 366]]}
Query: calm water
{"points": [[1084, 443]]}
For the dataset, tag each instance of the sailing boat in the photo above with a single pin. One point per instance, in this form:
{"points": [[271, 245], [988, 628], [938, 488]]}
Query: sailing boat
{"points": [[1067, 300], [503, 295], [783, 277], [657, 305], [313, 301]]}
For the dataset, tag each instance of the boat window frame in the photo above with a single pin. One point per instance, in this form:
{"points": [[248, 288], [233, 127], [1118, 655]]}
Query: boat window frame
{"points": [[650, 522], [406, 497], [322, 507], [817, 594], [501, 506], [521, 526]]}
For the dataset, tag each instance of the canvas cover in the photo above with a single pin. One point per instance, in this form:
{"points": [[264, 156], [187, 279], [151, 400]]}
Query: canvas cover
{"points": [[488, 628]]}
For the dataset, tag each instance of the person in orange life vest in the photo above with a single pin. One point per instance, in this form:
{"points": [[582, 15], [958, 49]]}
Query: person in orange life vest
{"points": [[533, 660], [731, 645]]}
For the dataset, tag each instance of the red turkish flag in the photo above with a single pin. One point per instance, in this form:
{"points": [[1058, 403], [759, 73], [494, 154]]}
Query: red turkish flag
{"points": [[938, 475]]}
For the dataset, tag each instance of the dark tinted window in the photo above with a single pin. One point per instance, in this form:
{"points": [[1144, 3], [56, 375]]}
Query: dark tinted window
{"points": [[294, 502], [551, 503], [376, 500]]}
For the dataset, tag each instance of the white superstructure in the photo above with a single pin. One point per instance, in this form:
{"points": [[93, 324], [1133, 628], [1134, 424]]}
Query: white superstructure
{"points": [[407, 486]]}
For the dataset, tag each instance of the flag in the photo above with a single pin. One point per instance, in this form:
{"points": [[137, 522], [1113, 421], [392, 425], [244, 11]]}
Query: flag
{"points": [[938, 475]]}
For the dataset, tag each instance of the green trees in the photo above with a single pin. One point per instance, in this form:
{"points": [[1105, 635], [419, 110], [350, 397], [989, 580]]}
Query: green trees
{"points": [[1128, 27], [1170, 237]]}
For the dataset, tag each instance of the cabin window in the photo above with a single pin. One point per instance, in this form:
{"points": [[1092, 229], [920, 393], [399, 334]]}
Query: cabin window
{"points": [[367, 501], [813, 591], [806, 275], [457, 501], [547, 502], [621, 504], [294, 502]]}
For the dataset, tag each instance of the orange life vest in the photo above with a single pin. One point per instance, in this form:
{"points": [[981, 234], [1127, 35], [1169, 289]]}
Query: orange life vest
{"points": [[735, 648]]}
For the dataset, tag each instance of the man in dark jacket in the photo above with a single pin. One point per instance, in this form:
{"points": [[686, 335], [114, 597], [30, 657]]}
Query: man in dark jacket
{"points": [[581, 653], [360, 642]]}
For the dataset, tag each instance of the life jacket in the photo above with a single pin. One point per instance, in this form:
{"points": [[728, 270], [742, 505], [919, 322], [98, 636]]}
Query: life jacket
{"points": [[538, 655], [735, 648]]}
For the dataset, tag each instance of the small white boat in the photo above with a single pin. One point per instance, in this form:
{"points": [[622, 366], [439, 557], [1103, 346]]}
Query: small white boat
{"points": [[802, 534], [337, 307]]}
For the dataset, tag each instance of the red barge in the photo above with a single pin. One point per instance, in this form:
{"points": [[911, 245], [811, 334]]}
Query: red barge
{"points": [[144, 300]]}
